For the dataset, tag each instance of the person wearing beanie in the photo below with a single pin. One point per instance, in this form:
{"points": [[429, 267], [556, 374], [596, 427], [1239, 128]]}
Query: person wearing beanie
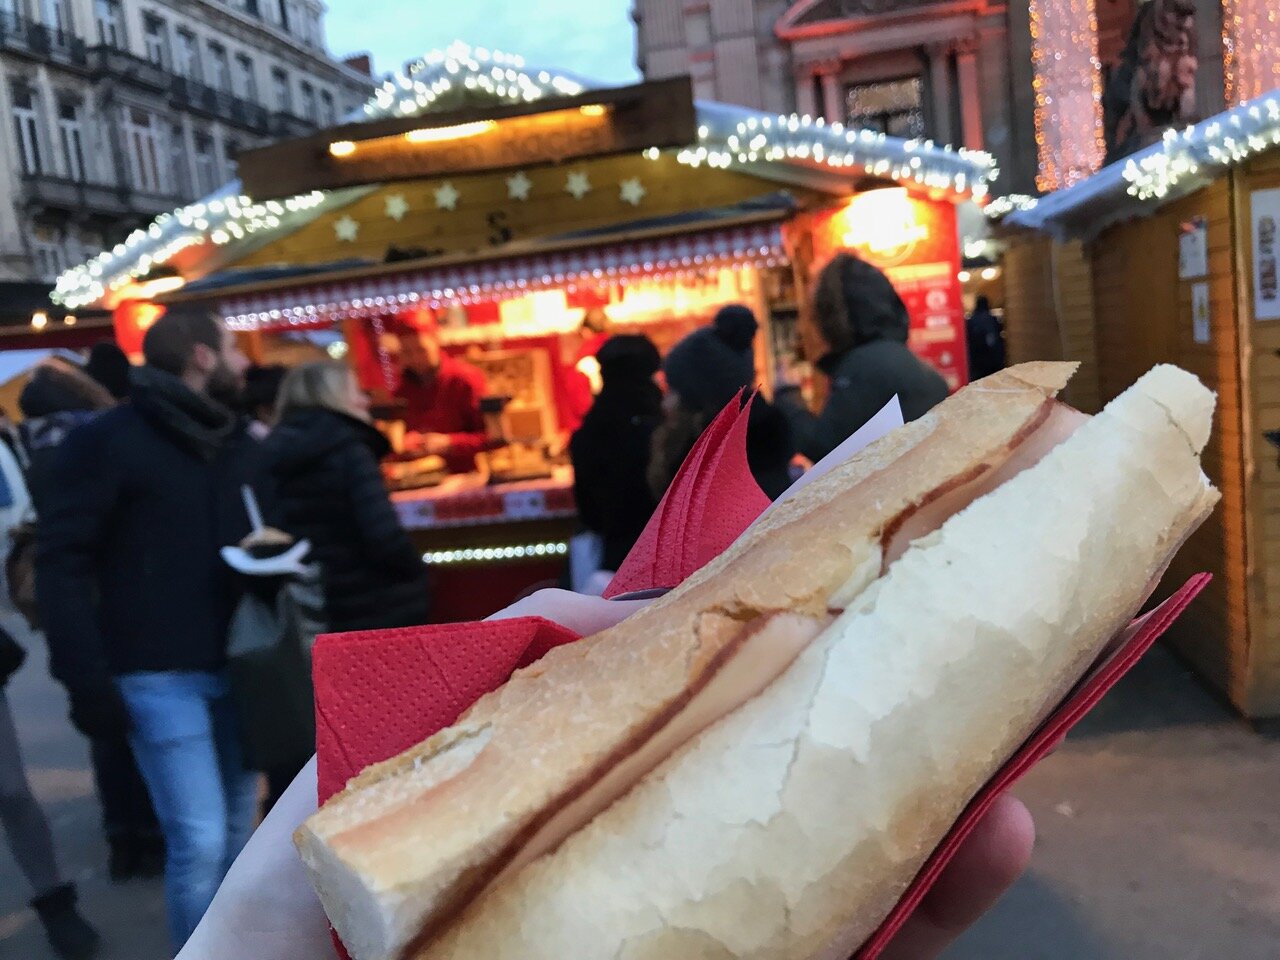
{"points": [[109, 366], [610, 450], [704, 372], [864, 324], [59, 398]]}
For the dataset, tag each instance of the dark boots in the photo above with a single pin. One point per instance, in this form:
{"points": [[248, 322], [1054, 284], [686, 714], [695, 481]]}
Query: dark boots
{"points": [[71, 937], [135, 856]]}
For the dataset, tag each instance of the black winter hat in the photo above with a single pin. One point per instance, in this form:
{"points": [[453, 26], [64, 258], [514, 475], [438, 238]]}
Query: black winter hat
{"points": [[736, 325], [706, 371], [110, 367], [628, 358]]}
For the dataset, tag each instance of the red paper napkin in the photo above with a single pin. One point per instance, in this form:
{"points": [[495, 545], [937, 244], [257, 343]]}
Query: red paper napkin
{"points": [[379, 693], [712, 500]]}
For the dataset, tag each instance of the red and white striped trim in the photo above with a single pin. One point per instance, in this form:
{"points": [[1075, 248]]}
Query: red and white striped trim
{"points": [[504, 279]]}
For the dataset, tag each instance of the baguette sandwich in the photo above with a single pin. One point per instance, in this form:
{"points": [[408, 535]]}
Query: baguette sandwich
{"points": [[758, 764]]}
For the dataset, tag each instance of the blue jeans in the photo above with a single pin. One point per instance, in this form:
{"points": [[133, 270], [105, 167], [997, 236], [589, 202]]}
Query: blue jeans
{"points": [[184, 735]]}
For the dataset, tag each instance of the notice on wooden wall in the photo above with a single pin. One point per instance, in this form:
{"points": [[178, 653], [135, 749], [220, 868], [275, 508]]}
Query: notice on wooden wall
{"points": [[1193, 249], [1266, 254], [1201, 316]]}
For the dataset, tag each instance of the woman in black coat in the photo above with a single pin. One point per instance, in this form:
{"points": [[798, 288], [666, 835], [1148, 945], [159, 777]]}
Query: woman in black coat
{"points": [[611, 449], [323, 455]]}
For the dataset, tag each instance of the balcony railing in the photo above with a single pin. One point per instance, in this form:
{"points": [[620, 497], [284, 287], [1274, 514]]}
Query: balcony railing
{"points": [[20, 34], [123, 65], [49, 191], [183, 92]]}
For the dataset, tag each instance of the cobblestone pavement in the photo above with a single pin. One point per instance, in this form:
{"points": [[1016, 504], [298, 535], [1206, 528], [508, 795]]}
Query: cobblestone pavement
{"points": [[1159, 827]]}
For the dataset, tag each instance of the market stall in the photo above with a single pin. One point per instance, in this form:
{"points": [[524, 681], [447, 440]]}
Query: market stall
{"points": [[1171, 257], [508, 210]]}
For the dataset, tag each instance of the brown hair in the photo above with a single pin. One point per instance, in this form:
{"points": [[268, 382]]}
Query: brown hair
{"points": [[321, 385], [172, 339]]}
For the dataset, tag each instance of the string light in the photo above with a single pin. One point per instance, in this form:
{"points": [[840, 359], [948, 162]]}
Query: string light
{"points": [[1221, 141], [221, 219], [1067, 83], [1001, 207], [490, 554], [1250, 53], [735, 136]]}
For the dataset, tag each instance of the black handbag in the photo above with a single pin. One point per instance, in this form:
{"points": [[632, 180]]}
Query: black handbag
{"points": [[12, 656], [269, 659]]}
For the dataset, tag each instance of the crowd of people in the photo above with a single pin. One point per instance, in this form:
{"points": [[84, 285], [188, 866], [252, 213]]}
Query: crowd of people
{"points": [[134, 481]]}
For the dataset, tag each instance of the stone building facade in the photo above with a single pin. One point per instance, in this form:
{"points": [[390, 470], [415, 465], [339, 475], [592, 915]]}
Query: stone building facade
{"points": [[115, 111]]}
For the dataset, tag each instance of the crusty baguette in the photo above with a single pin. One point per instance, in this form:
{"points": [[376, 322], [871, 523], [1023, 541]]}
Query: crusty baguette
{"points": [[469, 793], [788, 830], [795, 822]]}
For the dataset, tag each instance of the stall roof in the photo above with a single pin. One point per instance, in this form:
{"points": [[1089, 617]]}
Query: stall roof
{"points": [[226, 226], [1183, 162]]}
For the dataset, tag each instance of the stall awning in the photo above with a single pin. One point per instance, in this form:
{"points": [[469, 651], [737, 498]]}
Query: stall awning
{"points": [[379, 291]]}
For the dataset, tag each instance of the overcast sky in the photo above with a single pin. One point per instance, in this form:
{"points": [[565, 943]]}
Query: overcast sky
{"points": [[590, 37]]}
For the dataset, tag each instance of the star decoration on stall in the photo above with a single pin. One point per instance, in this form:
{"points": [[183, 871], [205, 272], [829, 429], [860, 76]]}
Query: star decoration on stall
{"points": [[447, 197], [518, 187], [346, 229], [397, 207], [632, 191], [578, 184]]}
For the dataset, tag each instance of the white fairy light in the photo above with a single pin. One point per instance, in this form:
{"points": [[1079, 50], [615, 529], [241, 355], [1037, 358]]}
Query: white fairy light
{"points": [[1230, 138]]}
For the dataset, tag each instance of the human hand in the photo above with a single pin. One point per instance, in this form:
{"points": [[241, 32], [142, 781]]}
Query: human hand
{"points": [[436, 444], [991, 859]]}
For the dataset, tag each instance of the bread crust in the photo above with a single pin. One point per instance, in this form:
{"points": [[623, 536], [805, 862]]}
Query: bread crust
{"points": [[555, 726]]}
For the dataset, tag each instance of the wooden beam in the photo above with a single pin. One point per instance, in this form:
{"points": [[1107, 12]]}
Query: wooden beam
{"points": [[555, 130]]}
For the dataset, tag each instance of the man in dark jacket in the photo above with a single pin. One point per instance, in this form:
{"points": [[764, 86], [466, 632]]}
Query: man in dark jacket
{"points": [[58, 398], [984, 337], [864, 324], [611, 449], [136, 601]]}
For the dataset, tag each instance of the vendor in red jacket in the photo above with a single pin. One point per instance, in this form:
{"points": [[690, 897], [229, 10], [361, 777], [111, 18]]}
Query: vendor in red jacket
{"points": [[442, 402]]}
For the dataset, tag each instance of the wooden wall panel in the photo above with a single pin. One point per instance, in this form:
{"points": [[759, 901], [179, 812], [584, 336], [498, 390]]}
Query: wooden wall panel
{"points": [[1261, 413], [1049, 311], [1144, 318], [486, 216]]}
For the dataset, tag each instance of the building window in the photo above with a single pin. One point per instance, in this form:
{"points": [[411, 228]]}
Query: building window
{"points": [[156, 33], [206, 165], [230, 151], [178, 160], [280, 80], [49, 258], [894, 107], [246, 80], [328, 114], [57, 16], [188, 55], [219, 70], [71, 137], [110, 23], [309, 109], [251, 7], [26, 120], [142, 142]]}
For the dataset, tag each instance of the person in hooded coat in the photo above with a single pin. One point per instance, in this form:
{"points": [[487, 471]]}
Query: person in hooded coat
{"points": [[984, 336], [864, 324], [323, 456], [610, 450], [58, 398], [705, 371]]}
